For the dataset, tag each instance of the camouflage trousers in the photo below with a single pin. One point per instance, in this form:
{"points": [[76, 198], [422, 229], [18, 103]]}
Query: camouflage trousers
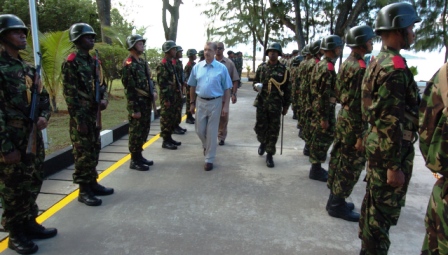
{"points": [[20, 183], [321, 140], [382, 204], [187, 101], [167, 119], [306, 125], [436, 222], [86, 151], [346, 165], [139, 128], [178, 104], [267, 126]]}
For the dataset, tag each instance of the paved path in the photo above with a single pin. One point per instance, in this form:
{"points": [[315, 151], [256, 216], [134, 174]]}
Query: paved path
{"points": [[241, 207]]}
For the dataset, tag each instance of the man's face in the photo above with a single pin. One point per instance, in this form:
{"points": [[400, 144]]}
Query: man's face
{"points": [[273, 55], [209, 53], [193, 57], [369, 46], [179, 54], [86, 42], [172, 52], [139, 46], [220, 50], [411, 35], [338, 51], [16, 37]]}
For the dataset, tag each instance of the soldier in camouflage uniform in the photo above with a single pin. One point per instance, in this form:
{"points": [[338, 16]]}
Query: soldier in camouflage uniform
{"points": [[390, 105], [239, 65], [169, 88], [191, 54], [138, 89], [179, 97], [272, 101], [323, 80], [21, 174], [347, 156], [201, 55], [79, 73], [298, 80], [294, 72], [433, 118]]}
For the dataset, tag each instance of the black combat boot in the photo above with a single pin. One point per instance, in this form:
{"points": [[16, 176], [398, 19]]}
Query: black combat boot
{"points": [[269, 160], [190, 118], [261, 149], [329, 201], [306, 150], [168, 145], [339, 209], [137, 163], [178, 131], [174, 141], [100, 190], [86, 195], [183, 129], [34, 230], [350, 205], [294, 116], [318, 173], [19, 242], [145, 161]]}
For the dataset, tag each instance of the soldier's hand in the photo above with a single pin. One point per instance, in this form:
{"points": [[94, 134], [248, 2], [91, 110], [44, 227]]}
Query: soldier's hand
{"points": [[82, 128], [42, 123], [192, 108], [167, 104], [103, 104], [324, 124], [285, 111], [359, 146], [12, 157], [136, 115], [395, 178]]}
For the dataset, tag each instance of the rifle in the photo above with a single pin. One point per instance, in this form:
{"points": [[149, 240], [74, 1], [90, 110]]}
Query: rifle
{"points": [[33, 116], [151, 85], [97, 91], [179, 84]]}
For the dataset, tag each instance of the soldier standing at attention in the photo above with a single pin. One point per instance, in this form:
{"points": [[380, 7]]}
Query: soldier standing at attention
{"points": [[272, 101], [347, 156], [135, 75], [180, 84], [294, 71], [191, 54], [323, 104], [390, 104], [21, 173], [239, 65], [79, 72], [166, 79], [301, 69], [201, 55]]}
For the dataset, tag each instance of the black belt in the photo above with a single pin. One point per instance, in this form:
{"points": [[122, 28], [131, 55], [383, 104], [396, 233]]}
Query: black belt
{"points": [[209, 98]]}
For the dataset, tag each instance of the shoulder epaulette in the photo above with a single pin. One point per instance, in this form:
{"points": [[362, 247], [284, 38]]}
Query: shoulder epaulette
{"points": [[189, 63], [173, 61], [317, 60], [362, 63], [398, 62], [71, 57], [128, 61], [163, 60], [330, 66]]}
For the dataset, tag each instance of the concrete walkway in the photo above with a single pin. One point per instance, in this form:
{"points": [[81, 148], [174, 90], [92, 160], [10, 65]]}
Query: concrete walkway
{"points": [[241, 207]]}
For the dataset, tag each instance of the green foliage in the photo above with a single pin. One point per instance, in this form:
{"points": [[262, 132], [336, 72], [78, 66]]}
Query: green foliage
{"points": [[112, 57], [413, 70], [154, 56]]}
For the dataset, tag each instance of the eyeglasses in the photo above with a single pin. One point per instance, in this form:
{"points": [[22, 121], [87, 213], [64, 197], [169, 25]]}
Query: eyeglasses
{"points": [[220, 48]]}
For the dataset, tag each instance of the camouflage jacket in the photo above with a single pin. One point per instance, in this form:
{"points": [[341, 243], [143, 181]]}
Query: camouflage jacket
{"points": [[179, 70], [265, 72], [323, 80], [16, 79], [166, 79], [348, 92], [188, 68], [388, 93], [134, 78], [238, 65], [78, 72], [305, 80]]}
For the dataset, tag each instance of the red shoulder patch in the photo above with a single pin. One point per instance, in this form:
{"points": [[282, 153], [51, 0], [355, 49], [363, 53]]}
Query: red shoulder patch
{"points": [[317, 60], [362, 63], [189, 64], [330, 66], [173, 61], [164, 61], [128, 61], [398, 62], [71, 57]]}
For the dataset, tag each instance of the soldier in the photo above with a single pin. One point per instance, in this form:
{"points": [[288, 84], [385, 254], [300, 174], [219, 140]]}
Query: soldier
{"points": [[231, 55], [137, 88], [390, 104], [323, 103], [80, 71], [239, 65], [294, 70], [201, 55], [298, 80], [272, 101], [178, 96], [434, 148], [347, 156], [191, 54], [21, 173], [166, 79]]}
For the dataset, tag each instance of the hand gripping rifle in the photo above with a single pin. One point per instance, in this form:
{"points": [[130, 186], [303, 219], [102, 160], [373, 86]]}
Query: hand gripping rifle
{"points": [[97, 91], [150, 84], [34, 105]]}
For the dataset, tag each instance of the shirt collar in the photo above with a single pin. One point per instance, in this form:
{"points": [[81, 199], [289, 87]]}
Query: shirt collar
{"points": [[213, 63]]}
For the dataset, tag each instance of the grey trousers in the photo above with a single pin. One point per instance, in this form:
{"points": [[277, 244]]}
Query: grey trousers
{"points": [[207, 117]]}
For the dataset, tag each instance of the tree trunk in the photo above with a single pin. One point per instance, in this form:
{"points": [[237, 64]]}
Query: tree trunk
{"points": [[104, 15], [54, 104], [254, 50], [171, 31]]}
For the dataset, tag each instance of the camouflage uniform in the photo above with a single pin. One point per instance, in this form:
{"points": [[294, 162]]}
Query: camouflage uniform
{"points": [[178, 99], [187, 72], [305, 109], [323, 105], [347, 163], [388, 92], [79, 92], [434, 148], [137, 93], [270, 104], [20, 183], [168, 89], [239, 68]]}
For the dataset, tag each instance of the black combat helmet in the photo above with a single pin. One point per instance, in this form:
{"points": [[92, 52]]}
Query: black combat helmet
{"points": [[274, 46], [168, 45], [191, 52], [315, 47], [133, 39], [359, 35], [331, 42], [79, 29], [201, 53], [306, 50], [10, 21], [179, 48], [396, 16]]}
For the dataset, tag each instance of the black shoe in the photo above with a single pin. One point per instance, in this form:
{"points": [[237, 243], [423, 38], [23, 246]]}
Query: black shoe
{"points": [[329, 201], [338, 208], [221, 142], [294, 116], [261, 149], [34, 230], [168, 145], [306, 150], [190, 120], [138, 165], [318, 173], [146, 162], [21, 243], [183, 129], [178, 131], [349, 205], [269, 160], [100, 190], [87, 197], [175, 142]]}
